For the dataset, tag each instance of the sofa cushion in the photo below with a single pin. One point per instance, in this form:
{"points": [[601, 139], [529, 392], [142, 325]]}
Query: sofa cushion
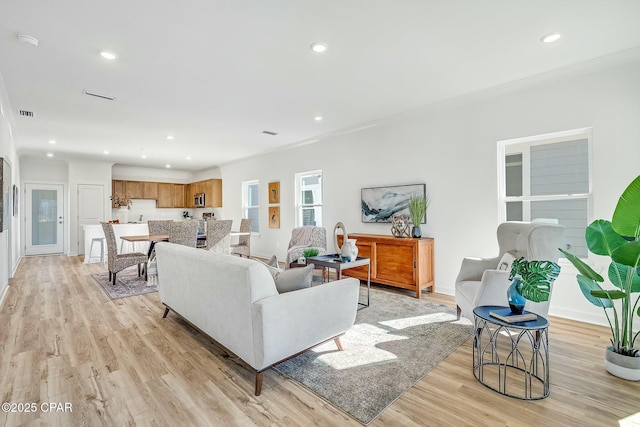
{"points": [[294, 279], [506, 261]]}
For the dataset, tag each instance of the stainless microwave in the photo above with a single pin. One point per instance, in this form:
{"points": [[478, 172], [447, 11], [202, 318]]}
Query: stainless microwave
{"points": [[199, 200]]}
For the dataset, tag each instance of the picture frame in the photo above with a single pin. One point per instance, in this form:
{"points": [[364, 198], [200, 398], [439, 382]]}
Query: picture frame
{"points": [[16, 192], [274, 192], [274, 217], [5, 184], [380, 204]]}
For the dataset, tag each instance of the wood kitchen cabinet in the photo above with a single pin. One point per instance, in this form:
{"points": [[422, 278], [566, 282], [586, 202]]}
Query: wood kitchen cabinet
{"points": [[401, 262], [213, 193], [150, 190], [178, 195], [188, 196], [117, 187], [135, 189], [165, 195], [198, 187]]}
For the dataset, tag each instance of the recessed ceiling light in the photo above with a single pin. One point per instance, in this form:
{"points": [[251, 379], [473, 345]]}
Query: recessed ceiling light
{"points": [[49, 154], [168, 166], [550, 38], [52, 141], [108, 55], [318, 118], [28, 39], [319, 47], [144, 156], [170, 137], [105, 152], [188, 157]]}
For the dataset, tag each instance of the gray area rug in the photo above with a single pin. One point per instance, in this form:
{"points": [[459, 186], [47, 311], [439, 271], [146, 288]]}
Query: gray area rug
{"points": [[393, 344], [128, 284]]}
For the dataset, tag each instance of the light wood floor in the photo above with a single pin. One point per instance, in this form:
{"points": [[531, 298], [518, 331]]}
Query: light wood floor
{"points": [[119, 363]]}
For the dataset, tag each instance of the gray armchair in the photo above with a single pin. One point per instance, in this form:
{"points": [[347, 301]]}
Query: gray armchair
{"points": [[306, 237], [480, 282]]}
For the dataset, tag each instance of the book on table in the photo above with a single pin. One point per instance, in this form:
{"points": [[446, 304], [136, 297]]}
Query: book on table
{"points": [[508, 317]]}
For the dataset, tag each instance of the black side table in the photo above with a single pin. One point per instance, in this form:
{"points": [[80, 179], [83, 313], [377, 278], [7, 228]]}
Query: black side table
{"points": [[511, 358]]}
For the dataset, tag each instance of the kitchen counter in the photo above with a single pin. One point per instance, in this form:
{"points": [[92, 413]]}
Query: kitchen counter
{"points": [[130, 229]]}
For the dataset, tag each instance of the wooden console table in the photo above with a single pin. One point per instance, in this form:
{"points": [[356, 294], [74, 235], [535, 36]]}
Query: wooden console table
{"points": [[401, 262]]}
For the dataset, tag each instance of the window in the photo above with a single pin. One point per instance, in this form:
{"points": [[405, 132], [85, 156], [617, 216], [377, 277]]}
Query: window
{"points": [[547, 179], [309, 198], [250, 203]]}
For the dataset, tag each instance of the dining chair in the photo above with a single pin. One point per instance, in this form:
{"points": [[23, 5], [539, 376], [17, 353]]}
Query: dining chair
{"points": [[117, 262], [219, 235], [159, 227], [184, 233], [243, 247]]}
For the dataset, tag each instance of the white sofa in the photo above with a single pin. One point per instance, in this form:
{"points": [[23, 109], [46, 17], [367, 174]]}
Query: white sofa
{"points": [[234, 301]]}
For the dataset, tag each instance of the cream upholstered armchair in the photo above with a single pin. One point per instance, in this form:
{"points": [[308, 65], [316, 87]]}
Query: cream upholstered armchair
{"points": [[482, 281], [306, 237]]}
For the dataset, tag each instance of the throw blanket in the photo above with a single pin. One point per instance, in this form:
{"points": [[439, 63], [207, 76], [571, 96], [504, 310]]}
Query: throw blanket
{"points": [[300, 238]]}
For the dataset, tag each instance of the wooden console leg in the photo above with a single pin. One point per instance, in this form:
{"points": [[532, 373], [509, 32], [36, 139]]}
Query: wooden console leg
{"points": [[338, 343], [259, 379], [166, 311]]}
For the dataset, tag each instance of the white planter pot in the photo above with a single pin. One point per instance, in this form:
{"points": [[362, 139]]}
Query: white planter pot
{"points": [[625, 367]]}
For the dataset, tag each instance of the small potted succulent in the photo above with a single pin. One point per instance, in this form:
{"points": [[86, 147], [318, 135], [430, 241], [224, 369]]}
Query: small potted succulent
{"points": [[307, 253]]}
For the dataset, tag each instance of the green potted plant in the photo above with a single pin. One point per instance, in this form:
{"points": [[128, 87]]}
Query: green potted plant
{"points": [[417, 210], [307, 253], [531, 280], [619, 239]]}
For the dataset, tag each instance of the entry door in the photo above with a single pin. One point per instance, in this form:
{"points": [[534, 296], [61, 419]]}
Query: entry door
{"points": [[45, 219], [90, 209]]}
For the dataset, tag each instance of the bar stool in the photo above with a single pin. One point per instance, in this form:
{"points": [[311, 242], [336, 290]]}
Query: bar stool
{"points": [[99, 240]]}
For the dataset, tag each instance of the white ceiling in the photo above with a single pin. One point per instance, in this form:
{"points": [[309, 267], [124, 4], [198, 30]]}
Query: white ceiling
{"points": [[217, 73]]}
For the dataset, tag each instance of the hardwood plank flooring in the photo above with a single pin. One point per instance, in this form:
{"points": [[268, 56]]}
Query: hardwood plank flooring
{"points": [[119, 363]]}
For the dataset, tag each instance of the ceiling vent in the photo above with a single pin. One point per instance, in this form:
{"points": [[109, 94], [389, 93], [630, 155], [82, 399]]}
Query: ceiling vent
{"points": [[25, 113], [268, 132], [97, 95]]}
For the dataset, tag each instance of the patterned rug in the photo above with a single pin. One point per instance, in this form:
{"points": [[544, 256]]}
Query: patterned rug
{"points": [[128, 283], [393, 344]]}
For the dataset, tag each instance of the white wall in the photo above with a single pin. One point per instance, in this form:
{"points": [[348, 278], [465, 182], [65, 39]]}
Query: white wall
{"points": [[9, 239], [452, 147]]}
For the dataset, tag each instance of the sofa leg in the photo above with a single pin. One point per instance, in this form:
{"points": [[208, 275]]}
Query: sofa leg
{"points": [[259, 379], [458, 311], [166, 311], [338, 343]]}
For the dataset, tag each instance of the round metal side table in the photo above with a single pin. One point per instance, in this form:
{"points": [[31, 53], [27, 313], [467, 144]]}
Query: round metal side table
{"points": [[511, 358]]}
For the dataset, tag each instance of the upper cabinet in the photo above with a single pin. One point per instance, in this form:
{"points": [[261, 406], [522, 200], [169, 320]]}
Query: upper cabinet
{"points": [[170, 195]]}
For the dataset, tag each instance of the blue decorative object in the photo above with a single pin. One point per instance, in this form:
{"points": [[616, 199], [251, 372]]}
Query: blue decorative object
{"points": [[516, 301]]}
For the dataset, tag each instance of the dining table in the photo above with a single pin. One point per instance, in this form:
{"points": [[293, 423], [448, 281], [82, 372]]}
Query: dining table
{"points": [[154, 238]]}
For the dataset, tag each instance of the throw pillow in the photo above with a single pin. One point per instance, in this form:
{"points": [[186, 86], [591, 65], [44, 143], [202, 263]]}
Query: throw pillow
{"points": [[294, 279], [506, 261], [273, 262]]}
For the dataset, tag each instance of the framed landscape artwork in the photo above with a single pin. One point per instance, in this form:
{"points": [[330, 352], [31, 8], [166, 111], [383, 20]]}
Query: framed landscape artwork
{"points": [[274, 217], [379, 204], [274, 192]]}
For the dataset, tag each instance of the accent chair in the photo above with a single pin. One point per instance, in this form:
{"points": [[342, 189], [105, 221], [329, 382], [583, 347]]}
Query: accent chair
{"points": [[484, 281], [306, 237]]}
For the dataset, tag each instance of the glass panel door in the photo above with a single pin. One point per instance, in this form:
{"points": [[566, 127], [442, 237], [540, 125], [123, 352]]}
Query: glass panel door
{"points": [[45, 219]]}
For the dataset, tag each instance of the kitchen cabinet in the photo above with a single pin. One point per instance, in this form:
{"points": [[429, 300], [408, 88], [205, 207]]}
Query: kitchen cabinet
{"points": [[178, 195], [165, 195], [213, 193], [188, 195], [198, 187], [117, 187], [135, 190], [150, 190]]}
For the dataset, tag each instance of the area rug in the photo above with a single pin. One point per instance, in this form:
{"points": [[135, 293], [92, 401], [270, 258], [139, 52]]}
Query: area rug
{"points": [[393, 344], [128, 284]]}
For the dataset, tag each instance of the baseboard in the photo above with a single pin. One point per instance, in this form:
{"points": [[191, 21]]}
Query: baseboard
{"points": [[3, 296], [15, 267]]}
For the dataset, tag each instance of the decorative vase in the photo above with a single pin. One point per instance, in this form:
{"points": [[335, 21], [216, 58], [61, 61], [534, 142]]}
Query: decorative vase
{"points": [[302, 260], [416, 231], [123, 214], [625, 367], [516, 301], [349, 251]]}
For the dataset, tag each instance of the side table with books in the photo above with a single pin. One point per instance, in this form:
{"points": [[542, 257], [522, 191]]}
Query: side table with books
{"points": [[511, 352]]}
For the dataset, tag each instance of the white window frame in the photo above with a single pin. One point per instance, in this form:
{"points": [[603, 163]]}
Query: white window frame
{"points": [[298, 196], [245, 201], [503, 151]]}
